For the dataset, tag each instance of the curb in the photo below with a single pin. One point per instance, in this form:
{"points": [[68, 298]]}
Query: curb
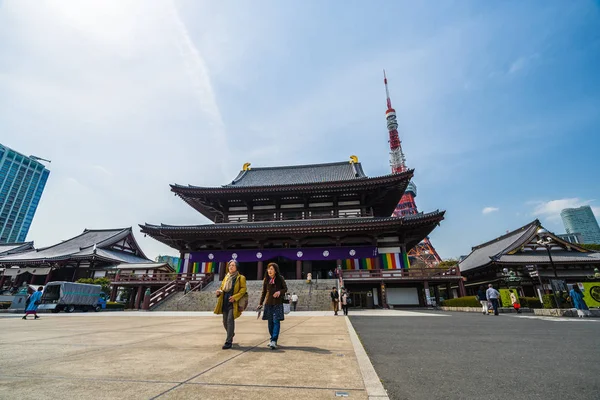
{"points": [[373, 385]]}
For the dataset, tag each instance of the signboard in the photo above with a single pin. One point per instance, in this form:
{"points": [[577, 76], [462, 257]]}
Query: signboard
{"points": [[591, 293]]}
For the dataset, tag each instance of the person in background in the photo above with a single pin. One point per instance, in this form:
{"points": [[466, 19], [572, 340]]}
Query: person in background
{"points": [[33, 302], [187, 288], [492, 296], [578, 302], [309, 277], [231, 291], [335, 299], [330, 274], [481, 296], [273, 293], [294, 301], [345, 301], [513, 299]]}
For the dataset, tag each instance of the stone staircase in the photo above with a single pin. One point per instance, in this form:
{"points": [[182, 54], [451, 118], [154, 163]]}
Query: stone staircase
{"points": [[313, 297]]}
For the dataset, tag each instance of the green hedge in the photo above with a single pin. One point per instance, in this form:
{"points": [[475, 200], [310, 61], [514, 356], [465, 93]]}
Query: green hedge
{"points": [[467, 301], [114, 306], [531, 302]]}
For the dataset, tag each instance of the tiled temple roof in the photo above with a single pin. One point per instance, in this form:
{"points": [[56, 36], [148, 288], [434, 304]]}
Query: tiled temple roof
{"points": [[508, 249], [81, 247], [298, 174]]}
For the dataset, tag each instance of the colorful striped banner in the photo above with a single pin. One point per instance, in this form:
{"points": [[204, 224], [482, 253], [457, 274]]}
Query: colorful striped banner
{"points": [[359, 263], [208, 267], [178, 267]]}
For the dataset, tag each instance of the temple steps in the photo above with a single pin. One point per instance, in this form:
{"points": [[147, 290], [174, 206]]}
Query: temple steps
{"points": [[311, 297]]}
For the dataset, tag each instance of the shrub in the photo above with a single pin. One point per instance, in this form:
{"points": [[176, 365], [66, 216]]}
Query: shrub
{"points": [[113, 305], [4, 305], [531, 302], [467, 301]]}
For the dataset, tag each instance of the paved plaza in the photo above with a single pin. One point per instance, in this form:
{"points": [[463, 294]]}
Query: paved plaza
{"points": [[417, 355], [176, 356], [472, 356]]}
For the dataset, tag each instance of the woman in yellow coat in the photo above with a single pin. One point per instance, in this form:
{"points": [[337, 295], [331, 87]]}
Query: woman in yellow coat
{"points": [[229, 294]]}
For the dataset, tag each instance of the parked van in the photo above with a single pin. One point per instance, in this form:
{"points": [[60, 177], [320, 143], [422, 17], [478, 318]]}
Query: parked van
{"points": [[69, 296]]}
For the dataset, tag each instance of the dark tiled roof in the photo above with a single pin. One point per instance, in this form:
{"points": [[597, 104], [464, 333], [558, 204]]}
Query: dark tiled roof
{"points": [[80, 246], [298, 174], [12, 248], [498, 250], [302, 223]]}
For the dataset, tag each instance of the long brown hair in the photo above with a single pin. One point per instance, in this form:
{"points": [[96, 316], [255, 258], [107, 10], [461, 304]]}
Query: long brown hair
{"points": [[276, 268]]}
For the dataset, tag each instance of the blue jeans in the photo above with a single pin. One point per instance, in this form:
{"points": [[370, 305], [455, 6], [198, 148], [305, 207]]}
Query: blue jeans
{"points": [[495, 305], [274, 327]]}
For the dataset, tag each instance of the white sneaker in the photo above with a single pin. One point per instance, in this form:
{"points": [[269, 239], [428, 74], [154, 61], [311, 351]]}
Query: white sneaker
{"points": [[271, 344]]}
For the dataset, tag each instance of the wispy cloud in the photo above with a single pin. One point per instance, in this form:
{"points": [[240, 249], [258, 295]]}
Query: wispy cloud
{"points": [[489, 210], [522, 63], [551, 209]]}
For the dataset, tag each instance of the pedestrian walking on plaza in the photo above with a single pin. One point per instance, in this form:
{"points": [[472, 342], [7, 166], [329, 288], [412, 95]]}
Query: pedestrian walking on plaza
{"points": [[482, 297], [187, 288], [513, 299], [33, 302], [345, 301], [335, 299], [271, 299], [232, 289], [330, 274], [294, 300], [578, 302], [492, 295]]}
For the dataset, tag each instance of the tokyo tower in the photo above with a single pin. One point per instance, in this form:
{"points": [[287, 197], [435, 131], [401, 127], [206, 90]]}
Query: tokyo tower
{"points": [[423, 253]]}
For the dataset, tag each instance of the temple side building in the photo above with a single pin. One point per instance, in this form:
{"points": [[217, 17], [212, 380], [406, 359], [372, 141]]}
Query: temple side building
{"points": [[316, 219]]}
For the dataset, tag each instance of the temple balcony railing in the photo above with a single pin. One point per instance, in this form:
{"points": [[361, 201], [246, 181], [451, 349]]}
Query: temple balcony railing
{"points": [[158, 278], [303, 217], [414, 273]]}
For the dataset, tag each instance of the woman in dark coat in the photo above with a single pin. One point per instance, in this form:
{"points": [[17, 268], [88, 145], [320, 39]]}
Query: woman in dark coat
{"points": [[273, 293]]}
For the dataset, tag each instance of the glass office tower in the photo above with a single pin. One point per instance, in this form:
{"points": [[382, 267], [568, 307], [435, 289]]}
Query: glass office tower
{"points": [[22, 181], [581, 220]]}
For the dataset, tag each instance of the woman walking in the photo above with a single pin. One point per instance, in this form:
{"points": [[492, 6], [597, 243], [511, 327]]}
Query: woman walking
{"points": [[34, 301], [482, 297], [273, 293], [229, 294], [345, 301], [578, 302]]}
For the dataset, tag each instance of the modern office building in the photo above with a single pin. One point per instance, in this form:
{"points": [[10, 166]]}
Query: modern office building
{"points": [[581, 220], [572, 237], [22, 181]]}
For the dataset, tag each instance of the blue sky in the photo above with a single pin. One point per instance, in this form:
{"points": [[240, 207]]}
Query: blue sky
{"points": [[498, 103]]}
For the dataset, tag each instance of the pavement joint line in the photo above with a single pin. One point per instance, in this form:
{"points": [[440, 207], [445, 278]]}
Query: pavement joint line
{"points": [[124, 380], [222, 362], [372, 383], [273, 386]]}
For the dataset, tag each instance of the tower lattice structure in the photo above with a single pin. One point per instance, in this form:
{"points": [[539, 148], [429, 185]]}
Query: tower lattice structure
{"points": [[424, 252]]}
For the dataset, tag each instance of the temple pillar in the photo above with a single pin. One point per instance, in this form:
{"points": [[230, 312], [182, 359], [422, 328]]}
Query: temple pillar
{"points": [[462, 292], [260, 270], [138, 297], [298, 269], [222, 271], [113, 293], [426, 291], [377, 262], [131, 298], [436, 293], [448, 291], [383, 299], [48, 277]]}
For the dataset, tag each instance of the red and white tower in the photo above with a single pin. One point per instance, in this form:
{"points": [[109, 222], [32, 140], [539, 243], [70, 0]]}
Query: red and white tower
{"points": [[424, 252]]}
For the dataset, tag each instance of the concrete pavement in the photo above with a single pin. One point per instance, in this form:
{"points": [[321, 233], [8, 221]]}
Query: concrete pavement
{"points": [[175, 356]]}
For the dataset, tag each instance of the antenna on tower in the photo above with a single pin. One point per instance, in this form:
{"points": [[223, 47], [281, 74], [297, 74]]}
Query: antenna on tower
{"points": [[387, 92], [397, 159]]}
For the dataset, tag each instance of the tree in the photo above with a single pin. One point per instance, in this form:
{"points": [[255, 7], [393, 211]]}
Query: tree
{"points": [[447, 263], [590, 246], [104, 282]]}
